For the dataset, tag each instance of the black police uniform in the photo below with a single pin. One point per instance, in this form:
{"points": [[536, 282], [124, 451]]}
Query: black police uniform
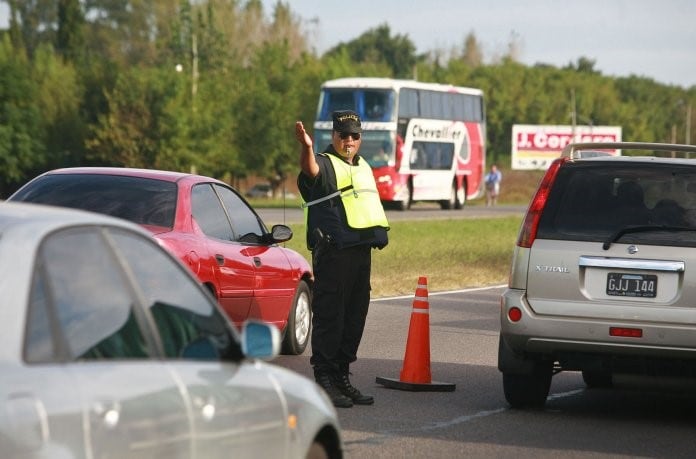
{"points": [[341, 260]]}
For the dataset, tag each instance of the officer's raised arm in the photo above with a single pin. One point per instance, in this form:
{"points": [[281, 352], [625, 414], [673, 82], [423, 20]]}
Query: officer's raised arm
{"points": [[308, 163]]}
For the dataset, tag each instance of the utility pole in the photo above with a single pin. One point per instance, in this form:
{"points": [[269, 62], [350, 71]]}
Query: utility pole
{"points": [[194, 70], [687, 135], [573, 114]]}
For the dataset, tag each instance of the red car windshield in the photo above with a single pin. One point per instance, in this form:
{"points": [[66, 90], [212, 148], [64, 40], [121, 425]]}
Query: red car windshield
{"points": [[141, 200]]}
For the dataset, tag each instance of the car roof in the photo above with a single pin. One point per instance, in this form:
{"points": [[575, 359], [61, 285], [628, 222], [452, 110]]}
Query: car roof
{"points": [[171, 176], [599, 151]]}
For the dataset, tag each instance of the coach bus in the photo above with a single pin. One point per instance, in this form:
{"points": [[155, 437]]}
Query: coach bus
{"points": [[424, 141]]}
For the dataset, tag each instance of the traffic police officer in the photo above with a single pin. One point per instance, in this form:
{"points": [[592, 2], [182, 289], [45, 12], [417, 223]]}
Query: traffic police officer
{"points": [[345, 220]]}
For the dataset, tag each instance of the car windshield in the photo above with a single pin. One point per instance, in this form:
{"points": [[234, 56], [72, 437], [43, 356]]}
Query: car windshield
{"points": [[140, 200], [618, 201]]}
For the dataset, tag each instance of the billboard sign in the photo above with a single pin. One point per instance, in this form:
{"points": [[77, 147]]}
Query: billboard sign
{"points": [[536, 146]]}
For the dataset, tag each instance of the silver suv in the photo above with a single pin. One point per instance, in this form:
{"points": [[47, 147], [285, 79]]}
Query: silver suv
{"points": [[603, 277]]}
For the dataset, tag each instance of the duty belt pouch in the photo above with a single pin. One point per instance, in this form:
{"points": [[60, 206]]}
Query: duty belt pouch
{"points": [[320, 245]]}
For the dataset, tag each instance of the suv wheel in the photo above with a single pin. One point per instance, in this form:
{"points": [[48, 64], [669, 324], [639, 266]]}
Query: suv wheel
{"points": [[528, 390], [597, 379]]}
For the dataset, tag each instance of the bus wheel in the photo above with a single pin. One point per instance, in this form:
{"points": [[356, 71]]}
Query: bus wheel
{"points": [[406, 203], [460, 197], [450, 203]]}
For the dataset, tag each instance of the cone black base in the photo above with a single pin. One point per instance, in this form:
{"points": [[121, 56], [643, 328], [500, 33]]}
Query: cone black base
{"points": [[433, 386]]}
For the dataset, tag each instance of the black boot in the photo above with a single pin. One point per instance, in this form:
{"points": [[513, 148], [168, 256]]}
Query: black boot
{"points": [[337, 398], [342, 383]]}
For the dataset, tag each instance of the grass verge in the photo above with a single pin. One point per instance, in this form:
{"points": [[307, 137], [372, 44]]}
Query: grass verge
{"points": [[452, 254]]}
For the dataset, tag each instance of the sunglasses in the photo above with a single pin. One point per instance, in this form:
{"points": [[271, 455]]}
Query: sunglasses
{"points": [[345, 135]]}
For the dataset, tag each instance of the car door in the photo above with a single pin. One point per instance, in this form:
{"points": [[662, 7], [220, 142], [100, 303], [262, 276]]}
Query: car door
{"points": [[234, 271], [274, 285], [132, 405], [41, 412], [236, 408]]}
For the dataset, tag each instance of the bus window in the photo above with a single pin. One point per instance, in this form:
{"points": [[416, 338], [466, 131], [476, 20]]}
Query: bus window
{"points": [[408, 103], [336, 99], [378, 105], [370, 104], [432, 155], [472, 108], [444, 154], [417, 160], [377, 148], [426, 104], [458, 107]]}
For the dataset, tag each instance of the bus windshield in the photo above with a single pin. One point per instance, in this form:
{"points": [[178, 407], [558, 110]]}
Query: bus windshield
{"points": [[369, 104]]}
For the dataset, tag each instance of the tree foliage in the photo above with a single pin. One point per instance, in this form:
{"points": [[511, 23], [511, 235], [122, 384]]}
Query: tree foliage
{"points": [[377, 46], [215, 86]]}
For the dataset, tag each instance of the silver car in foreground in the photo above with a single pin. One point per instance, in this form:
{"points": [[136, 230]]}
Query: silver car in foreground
{"points": [[603, 277], [109, 348]]}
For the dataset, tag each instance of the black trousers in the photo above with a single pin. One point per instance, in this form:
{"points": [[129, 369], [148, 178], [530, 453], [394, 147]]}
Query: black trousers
{"points": [[341, 297]]}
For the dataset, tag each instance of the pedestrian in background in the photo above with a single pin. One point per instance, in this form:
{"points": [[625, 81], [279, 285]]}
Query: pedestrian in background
{"points": [[345, 221], [492, 182]]}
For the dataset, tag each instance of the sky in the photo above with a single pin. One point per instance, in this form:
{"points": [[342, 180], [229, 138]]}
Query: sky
{"points": [[649, 38]]}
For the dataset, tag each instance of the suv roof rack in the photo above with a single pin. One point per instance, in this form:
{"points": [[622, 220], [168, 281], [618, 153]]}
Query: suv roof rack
{"points": [[594, 149]]}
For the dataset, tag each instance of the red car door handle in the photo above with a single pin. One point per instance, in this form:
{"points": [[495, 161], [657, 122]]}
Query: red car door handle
{"points": [[257, 261], [220, 259]]}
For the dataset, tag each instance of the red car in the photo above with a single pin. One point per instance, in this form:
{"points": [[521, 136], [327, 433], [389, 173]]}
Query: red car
{"points": [[209, 226]]}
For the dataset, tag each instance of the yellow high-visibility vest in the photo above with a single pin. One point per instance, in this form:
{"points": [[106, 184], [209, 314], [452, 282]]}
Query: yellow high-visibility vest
{"points": [[358, 191]]}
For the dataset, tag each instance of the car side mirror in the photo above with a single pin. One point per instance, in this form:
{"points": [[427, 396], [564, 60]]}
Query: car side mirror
{"points": [[260, 340], [281, 233]]}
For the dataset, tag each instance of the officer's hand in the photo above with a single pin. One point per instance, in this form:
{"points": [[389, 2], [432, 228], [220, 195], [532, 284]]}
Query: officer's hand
{"points": [[301, 134]]}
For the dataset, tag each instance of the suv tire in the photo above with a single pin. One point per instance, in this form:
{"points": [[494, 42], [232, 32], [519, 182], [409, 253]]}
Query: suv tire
{"points": [[597, 378], [528, 390]]}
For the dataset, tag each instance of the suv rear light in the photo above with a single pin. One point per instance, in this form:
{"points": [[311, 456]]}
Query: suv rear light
{"points": [[625, 332], [514, 314], [530, 225]]}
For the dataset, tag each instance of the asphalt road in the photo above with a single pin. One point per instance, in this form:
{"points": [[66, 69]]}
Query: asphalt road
{"points": [[474, 420]]}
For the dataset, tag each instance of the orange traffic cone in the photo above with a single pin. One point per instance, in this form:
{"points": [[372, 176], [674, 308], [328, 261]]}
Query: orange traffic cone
{"points": [[415, 374]]}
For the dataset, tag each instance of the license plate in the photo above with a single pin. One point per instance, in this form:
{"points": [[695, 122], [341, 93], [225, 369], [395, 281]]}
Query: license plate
{"points": [[634, 285]]}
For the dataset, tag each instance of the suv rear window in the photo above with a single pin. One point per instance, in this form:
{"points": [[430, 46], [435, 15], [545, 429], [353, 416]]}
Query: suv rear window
{"points": [[140, 200], [592, 200]]}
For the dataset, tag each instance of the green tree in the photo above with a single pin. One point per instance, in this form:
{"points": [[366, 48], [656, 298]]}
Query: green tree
{"points": [[125, 32], [378, 46], [129, 134], [287, 28], [21, 148], [32, 23], [59, 100], [266, 112], [70, 40], [584, 65], [472, 55]]}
